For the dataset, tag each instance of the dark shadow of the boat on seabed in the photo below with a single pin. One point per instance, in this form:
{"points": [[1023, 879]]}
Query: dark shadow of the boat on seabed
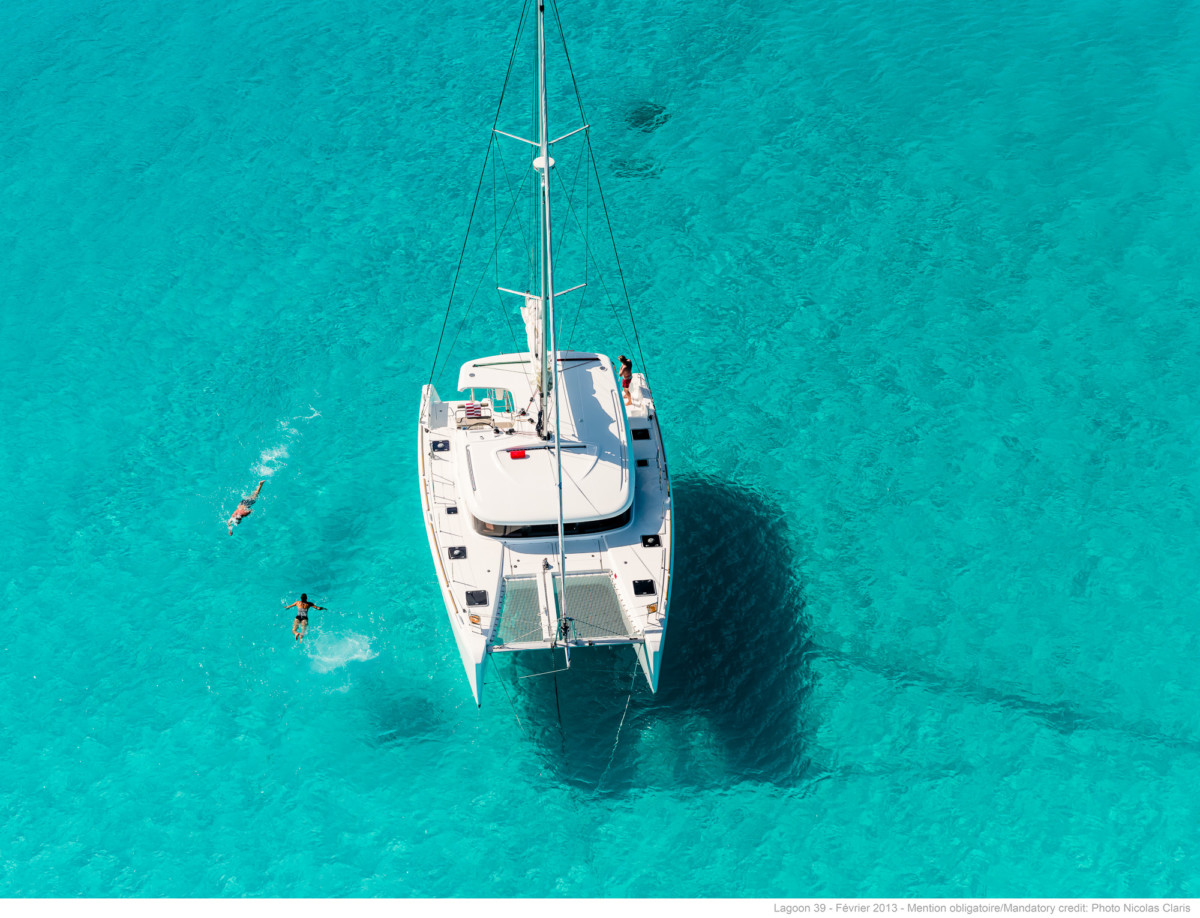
{"points": [[732, 699]]}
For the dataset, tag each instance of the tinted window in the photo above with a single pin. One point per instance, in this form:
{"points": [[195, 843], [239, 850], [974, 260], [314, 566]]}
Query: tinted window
{"points": [[550, 530]]}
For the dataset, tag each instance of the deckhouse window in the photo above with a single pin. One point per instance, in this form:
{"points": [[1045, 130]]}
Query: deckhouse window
{"points": [[501, 400], [550, 530]]}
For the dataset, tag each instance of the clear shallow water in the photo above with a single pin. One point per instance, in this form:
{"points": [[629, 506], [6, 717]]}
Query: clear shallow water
{"points": [[918, 290]]}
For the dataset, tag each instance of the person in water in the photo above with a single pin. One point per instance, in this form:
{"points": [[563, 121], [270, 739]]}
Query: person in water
{"points": [[243, 509], [626, 375], [300, 625]]}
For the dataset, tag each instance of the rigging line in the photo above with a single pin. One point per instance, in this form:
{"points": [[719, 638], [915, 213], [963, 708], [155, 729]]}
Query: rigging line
{"points": [[562, 234], [471, 302], [612, 755], [482, 172], [496, 241], [507, 321], [587, 197], [508, 188], [578, 312], [558, 707], [475, 294], [562, 37], [583, 118], [534, 214], [603, 282], [462, 253], [549, 672], [495, 218], [513, 706], [620, 271]]}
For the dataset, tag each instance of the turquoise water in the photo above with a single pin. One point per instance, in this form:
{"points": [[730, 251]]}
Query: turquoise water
{"points": [[918, 289]]}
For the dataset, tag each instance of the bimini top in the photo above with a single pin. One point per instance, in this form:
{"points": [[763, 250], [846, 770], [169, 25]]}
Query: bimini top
{"points": [[509, 490]]}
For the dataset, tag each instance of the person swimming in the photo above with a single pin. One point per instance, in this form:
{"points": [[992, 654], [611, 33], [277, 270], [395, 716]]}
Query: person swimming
{"points": [[300, 625], [243, 509]]}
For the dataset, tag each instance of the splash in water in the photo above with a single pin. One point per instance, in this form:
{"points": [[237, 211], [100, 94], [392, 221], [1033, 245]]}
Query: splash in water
{"points": [[271, 460], [331, 653]]}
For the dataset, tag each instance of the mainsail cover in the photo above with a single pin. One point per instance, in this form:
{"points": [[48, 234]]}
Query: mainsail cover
{"points": [[531, 312]]}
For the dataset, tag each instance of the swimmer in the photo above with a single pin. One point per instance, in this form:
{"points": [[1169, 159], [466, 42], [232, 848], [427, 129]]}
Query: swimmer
{"points": [[300, 625], [243, 509]]}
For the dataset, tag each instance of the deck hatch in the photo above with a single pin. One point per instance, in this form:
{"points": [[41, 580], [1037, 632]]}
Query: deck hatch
{"points": [[457, 552], [641, 433], [643, 588], [440, 446], [651, 541], [476, 597]]}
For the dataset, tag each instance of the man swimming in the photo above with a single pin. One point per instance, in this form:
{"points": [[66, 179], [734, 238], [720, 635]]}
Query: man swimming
{"points": [[300, 625], [243, 509]]}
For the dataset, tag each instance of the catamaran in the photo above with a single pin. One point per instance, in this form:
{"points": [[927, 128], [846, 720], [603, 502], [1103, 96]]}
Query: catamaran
{"points": [[544, 489]]}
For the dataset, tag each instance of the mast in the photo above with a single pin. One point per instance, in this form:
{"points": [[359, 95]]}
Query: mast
{"points": [[546, 275], [550, 367]]}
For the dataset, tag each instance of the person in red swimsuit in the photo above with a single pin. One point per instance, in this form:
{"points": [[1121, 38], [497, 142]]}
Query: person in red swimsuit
{"points": [[626, 375], [243, 509]]}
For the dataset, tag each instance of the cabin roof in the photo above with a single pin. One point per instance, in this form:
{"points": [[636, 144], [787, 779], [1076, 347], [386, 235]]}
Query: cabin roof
{"points": [[597, 473]]}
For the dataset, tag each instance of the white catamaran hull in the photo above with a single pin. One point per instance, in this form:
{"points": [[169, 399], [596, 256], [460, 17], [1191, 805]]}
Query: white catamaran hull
{"points": [[497, 591]]}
